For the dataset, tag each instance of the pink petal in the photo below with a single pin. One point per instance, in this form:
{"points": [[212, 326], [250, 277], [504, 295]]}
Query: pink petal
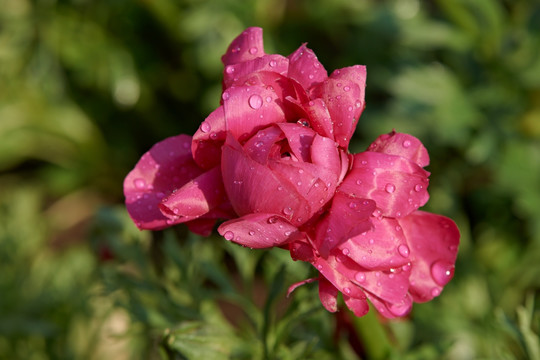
{"points": [[403, 145], [258, 230], [383, 247], [196, 198], [167, 166], [254, 188], [299, 139], [343, 94], [319, 117], [260, 146], [392, 310], [239, 73], [201, 226], [324, 153], [359, 307], [397, 185], [249, 109], [328, 294], [347, 217], [305, 68], [208, 139], [248, 45], [434, 241], [298, 284], [342, 282]]}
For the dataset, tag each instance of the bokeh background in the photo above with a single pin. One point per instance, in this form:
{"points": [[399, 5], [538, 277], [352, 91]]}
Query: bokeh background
{"points": [[87, 86]]}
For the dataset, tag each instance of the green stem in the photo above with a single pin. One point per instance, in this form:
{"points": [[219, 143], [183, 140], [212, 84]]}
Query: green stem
{"points": [[373, 336]]}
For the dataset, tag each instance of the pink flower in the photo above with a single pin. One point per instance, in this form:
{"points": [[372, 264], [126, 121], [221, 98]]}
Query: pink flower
{"points": [[272, 161], [283, 123], [406, 255]]}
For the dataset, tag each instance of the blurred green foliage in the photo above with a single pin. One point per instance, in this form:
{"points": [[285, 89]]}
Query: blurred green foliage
{"points": [[87, 86]]}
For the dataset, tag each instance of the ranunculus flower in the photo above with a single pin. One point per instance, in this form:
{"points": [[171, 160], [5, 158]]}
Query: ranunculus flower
{"points": [[272, 161], [407, 255]]}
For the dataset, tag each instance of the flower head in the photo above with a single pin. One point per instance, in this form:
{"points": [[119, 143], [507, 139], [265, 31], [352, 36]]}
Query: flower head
{"points": [[272, 160]]}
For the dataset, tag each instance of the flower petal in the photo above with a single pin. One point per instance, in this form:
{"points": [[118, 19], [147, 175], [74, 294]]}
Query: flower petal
{"points": [[382, 247], [246, 46], [238, 74], [398, 185], [328, 294], [359, 307], [254, 188], [208, 139], [197, 197], [305, 68], [167, 166], [403, 145], [249, 109], [258, 230], [434, 241], [347, 217]]}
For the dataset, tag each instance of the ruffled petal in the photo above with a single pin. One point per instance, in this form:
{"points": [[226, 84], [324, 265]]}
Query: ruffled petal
{"points": [[343, 94], [299, 139], [254, 188], [382, 247], [328, 294], [433, 241], [238, 74], [246, 46], [208, 139], [166, 167], [305, 68], [403, 145], [392, 310], [249, 109], [359, 307], [196, 198], [319, 117], [347, 217], [260, 146], [258, 230], [398, 185]]}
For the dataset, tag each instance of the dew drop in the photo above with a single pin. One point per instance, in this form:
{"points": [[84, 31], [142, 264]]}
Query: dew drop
{"points": [[229, 235], [352, 205], [225, 96], [390, 188], [259, 144], [272, 220], [442, 272], [251, 232], [435, 292], [418, 187], [346, 88], [205, 127], [268, 99], [272, 63], [406, 144], [360, 277], [287, 211], [347, 290], [287, 233], [139, 183], [358, 182], [319, 267], [253, 50], [345, 251], [255, 101], [229, 69], [403, 250]]}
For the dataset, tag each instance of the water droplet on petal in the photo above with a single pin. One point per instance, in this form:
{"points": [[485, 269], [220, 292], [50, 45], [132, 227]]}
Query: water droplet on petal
{"points": [[255, 101], [139, 183], [319, 267], [406, 144], [287, 211], [229, 69], [435, 292], [347, 290], [346, 88], [390, 188], [253, 50], [272, 220], [403, 250], [358, 182], [352, 205], [418, 187], [345, 251], [251, 232], [272, 63], [442, 272], [205, 127], [360, 277], [229, 235]]}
